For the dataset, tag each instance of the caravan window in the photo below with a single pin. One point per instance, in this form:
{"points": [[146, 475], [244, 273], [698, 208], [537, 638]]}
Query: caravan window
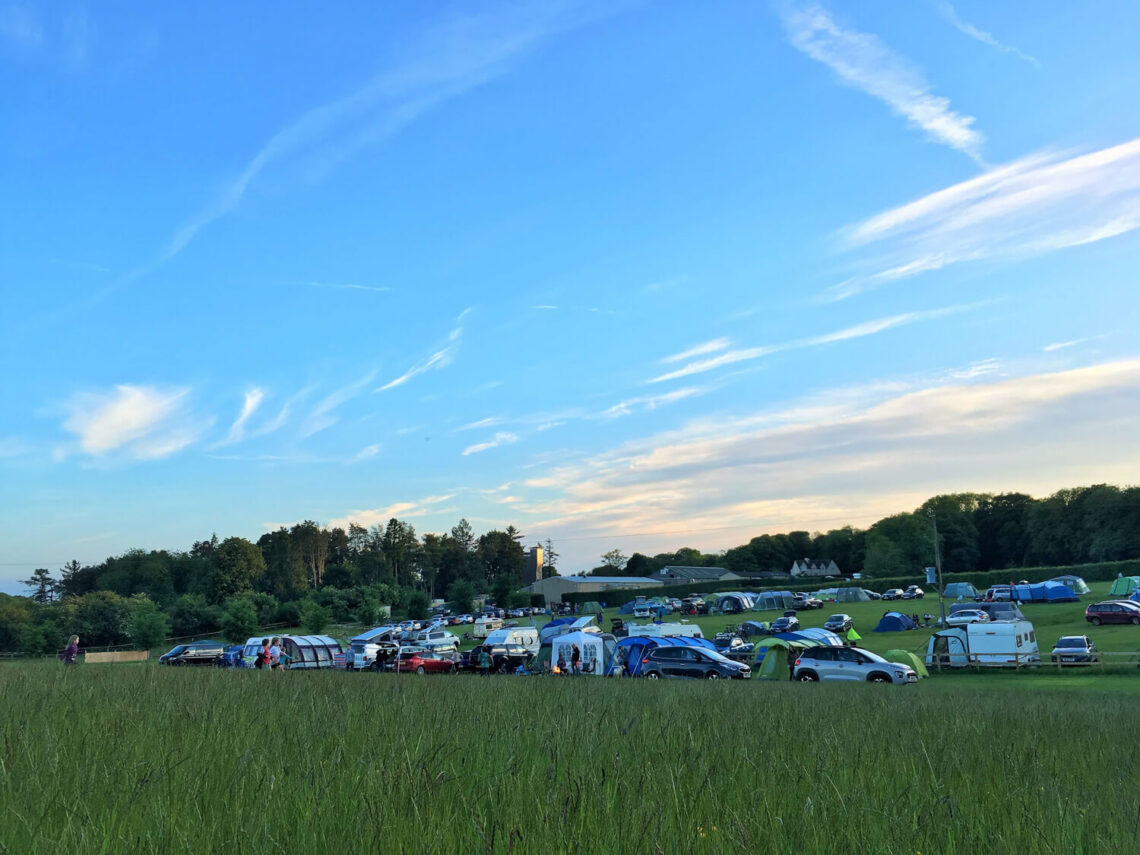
{"points": [[1018, 637], [1032, 636], [307, 653]]}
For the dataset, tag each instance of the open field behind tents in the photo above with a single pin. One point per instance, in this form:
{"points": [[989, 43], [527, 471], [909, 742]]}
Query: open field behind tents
{"points": [[142, 758]]}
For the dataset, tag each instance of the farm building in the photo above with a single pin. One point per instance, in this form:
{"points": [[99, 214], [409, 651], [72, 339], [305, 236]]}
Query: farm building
{"points": [[554, 587], [675, 574]]}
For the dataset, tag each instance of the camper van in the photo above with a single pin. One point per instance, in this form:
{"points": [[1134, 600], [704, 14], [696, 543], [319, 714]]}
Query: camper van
{"points": [[524, 636], [484, 626], [435, 637], [363, 648], [1001, 644], [657, 630]]}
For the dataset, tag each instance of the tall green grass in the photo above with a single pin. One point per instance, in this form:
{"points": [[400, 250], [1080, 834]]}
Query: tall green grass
{"points": [[147, 759]]}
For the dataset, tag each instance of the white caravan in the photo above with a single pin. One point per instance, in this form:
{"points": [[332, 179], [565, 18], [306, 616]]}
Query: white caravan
{"points": [[435, 637], [1001, 644], [485, 625], [525, 636]]}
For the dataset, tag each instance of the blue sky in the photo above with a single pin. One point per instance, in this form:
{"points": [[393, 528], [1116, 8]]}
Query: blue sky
{"points": [[632, 274]]}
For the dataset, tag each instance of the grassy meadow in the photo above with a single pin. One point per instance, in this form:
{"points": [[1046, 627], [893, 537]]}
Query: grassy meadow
{"points": [[138, 758]]}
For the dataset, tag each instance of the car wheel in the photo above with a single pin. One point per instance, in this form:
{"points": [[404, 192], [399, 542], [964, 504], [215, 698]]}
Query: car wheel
{"points": [[712, 675], [451, 669], [878, 678], [1136, 621], [421, 670], [653, 675], [1095, 621], [808, 677]]}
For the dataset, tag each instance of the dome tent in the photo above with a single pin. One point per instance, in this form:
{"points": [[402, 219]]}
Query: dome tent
{"points": [[965, 590], [905, 657], [1124, 586], [1076, 583], [772, 656], [851, 595], [894, 622]]}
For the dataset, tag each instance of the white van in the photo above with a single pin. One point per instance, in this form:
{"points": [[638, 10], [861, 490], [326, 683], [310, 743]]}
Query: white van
{"points": [[655, 630], [484, 626], [1000, 644], [362, 649], [525, 636]]}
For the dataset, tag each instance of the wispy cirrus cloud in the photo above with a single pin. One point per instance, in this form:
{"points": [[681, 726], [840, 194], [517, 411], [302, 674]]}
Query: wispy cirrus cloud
{"points": [[323, 415], [948, 12], [1039, 204], [253, 399], [346, 286], [867, 328], [698, 350], [500, 438], [490, 421], [439, 359], [643, 403], [545, 308], [140, 422], [862, 61]]}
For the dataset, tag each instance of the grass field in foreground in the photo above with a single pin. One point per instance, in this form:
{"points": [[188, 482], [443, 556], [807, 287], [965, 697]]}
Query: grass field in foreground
{"points": [[146, 759]]}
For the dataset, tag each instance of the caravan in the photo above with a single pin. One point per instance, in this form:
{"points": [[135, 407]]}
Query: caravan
{"points": [[484, 626], [523, 636], [672, 630], [996, 644]]}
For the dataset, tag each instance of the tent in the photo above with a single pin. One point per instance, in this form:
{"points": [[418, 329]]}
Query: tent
{"points": [[851, 595], [591, 645], [965, 590], [555, 627], [820, 636], [772, 656], [1124, 586], [753, 627], [894, 622], [628, 653], [1076, 583], [905, 657], [1044, 592], [772, 600], [734, 602], [826, 595], [590, 608]]}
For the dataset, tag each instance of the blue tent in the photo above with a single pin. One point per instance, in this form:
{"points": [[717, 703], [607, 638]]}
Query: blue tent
{"points": [[894, 622], [630, 651], [1044, 592], [821, 636]]}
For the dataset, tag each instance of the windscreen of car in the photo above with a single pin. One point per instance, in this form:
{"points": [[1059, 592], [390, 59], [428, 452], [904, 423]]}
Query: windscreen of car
{"points": [[1071, 642], [837, 618]]}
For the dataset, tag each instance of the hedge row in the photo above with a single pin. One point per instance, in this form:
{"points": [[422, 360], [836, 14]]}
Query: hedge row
{"points": [[1099, 572]]}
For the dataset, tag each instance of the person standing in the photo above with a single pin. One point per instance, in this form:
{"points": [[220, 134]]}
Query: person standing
{"points": [[71, 651], [275, 655], [262, 660], [485, 661], [575, 660]]}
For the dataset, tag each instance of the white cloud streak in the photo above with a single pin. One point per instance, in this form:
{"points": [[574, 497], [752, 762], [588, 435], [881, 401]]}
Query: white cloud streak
{"points": [[324, 415], [439, 359], [348, 286], [253, 399], [651, 402], [867, 328], [699, 350], [501, 438], [1042, 203], [380, 516], [143, 422], [947, 11], [862, 61]]}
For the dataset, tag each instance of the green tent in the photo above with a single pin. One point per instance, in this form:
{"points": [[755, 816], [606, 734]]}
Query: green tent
{"points": [[853, 636], [774, 665], [1124, 586], [905, 657], [590, 608]]}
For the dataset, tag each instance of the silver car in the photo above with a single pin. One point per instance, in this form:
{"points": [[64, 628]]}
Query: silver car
{"points": [[849, 663]]}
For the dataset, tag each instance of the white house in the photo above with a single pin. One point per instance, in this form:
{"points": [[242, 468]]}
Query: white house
{"points": [[814, 568]]}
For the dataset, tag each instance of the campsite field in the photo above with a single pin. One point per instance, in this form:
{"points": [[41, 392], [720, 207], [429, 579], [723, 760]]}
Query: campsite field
{"points": [[146, 759]]}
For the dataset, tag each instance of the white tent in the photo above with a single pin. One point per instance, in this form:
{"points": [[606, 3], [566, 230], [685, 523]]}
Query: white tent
{"points": [[591, 647]]}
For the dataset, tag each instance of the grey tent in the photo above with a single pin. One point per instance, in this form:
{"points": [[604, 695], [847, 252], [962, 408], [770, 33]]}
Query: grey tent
{"points": [[851, 595], [772, 600], [960, 589], [1078, 584]]}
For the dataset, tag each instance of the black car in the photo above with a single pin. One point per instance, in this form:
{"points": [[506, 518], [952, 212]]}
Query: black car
{"points": [[839, 623], [194, 653], [1074, 650], [694, 606], [785, 624], [693, 663]]}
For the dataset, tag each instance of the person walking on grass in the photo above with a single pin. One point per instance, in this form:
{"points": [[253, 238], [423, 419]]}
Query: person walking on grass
{"points": [[275, 655], [262, 659], [71, 651], [485, 661]]}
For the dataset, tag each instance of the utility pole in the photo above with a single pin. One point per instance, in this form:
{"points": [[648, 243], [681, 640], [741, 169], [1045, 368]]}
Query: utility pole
{"points": [[938, 567]]}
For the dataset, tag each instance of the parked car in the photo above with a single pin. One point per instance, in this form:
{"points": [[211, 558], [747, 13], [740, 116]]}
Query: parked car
{"points": [[733, 646], [1113, 611], [999, 593], [424, 662], [507, 657], [839, 623], [1074, 650], [785, 624], [849, 663], [641, 611], [913, 593], [194, 653], [694, 606], [893, 594], [872, 594], [963, 617], [800, 602], [692, 662]]}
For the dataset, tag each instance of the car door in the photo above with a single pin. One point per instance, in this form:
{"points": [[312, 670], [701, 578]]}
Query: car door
{"points": [[693, 664], [846, 666], [822, 659]]}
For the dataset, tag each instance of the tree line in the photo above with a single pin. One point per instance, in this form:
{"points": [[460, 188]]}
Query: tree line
{"points": [[305, 574], [976, 532]]}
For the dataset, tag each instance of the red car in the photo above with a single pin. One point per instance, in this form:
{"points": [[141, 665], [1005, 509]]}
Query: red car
{"points": [[425, 663], [1113, 612]]}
